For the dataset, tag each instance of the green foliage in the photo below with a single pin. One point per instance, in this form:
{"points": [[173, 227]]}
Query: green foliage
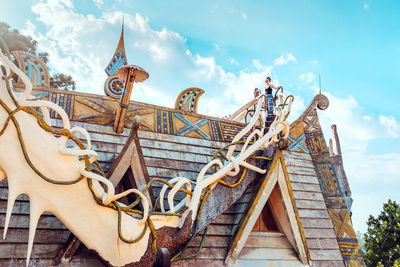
{"points": [[17, 41], [382, 240], [62, 81]]}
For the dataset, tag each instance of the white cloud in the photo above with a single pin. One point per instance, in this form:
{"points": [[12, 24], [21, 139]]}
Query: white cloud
{"points": [[314, 61], [244, 15], [391, 125], [98, 3], [307, 77], [282, 60], [290, 57], [355, 132], [234, 62], [366, 6], [367, 117], [83, 47]]}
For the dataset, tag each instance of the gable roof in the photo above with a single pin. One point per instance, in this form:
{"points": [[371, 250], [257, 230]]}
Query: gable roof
{"points": [[284, 211]]}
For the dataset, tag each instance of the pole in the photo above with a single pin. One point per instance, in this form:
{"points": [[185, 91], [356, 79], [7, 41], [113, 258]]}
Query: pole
{"points": [[124, 103]]}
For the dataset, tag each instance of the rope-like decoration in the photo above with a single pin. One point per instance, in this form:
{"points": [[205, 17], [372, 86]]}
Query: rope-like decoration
{"points": [[105, 196]]}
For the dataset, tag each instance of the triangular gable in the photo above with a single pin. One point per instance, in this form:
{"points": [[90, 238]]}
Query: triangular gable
{"points": [[284, 211], [131, 160]]}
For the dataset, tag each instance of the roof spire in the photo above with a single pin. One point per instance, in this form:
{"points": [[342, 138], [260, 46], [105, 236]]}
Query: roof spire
{"points": [[319, 75], [119, 58]]}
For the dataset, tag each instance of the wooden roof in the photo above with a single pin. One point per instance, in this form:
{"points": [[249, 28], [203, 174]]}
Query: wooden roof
{"points": [[179, 143]]}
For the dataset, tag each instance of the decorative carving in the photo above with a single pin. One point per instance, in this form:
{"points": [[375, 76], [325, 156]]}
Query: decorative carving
{"points": [[319, 101], [113, 86], [191, 127], [33, 67], [322, 101], [298, 143], [188, 99]]}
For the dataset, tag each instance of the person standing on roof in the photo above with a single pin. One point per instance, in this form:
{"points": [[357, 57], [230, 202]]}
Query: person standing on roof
{"points": [[270, 97]]}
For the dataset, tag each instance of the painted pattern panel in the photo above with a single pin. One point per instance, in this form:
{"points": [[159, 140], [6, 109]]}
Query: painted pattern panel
{"points": [[100, 110], [331, 189]]}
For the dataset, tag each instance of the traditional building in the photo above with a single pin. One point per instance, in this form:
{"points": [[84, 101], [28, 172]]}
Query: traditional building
{"points": [[291, 205]]}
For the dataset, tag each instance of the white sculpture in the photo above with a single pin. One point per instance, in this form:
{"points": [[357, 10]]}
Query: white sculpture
{"points": [[73, 204]]}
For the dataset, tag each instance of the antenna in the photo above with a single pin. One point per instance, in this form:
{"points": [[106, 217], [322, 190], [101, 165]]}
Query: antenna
{"points": [[319, 74], [123, 21]]}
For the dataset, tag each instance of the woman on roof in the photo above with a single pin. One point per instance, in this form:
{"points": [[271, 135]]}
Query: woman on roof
{"points": [[270, 97]]}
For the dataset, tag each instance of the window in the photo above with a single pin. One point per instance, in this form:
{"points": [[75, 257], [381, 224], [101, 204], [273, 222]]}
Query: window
{"points": [[266, 221]]}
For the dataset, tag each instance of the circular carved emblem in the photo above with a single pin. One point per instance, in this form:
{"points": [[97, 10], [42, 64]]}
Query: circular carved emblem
{"points": [[322, 102], [113, 86]]}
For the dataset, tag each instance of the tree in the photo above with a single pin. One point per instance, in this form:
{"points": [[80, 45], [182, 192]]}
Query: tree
{"points": [[17, 41], [62, 81], [382, 240]]}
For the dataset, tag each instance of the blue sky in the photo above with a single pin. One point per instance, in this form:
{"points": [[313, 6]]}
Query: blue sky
{"points": [[228, 47]]}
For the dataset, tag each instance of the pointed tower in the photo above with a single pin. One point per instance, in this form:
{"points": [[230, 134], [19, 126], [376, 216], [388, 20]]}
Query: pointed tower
{"points": [[119, 58], [113, 86]]}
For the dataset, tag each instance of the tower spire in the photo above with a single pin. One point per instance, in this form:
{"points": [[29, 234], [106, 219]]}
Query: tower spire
{"points": [[119, 58], [319, 75]]}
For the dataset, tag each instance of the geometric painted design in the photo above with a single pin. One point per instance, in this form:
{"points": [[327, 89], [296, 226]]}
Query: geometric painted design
{"points": [[311, 122], [33, 67], [328, 180], [316, 143], [40, 95], [297, 138], [331, 189], [190, 127], [188, 99], [64, 101], [216, 130], [118, 60], [342, 224], [298, 143], [229, 131], [101, 110], [96, 110], [165, 122]]}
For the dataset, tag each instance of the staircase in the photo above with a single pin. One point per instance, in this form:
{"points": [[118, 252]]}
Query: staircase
{"points": [[270, 119]]}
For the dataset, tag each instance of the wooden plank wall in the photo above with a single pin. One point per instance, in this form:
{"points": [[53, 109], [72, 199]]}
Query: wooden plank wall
{"points": [[318, 228], [268, 249], [50, 236]]}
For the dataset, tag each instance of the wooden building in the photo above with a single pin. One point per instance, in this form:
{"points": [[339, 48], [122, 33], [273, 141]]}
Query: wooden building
{"points": [[297, 214]]}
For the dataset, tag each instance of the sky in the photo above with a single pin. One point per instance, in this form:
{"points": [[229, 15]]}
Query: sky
{"points": [[227, 48]]}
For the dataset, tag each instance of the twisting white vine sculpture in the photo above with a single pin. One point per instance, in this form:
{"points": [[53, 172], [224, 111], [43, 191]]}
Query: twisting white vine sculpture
{"points": [[74, 204]]}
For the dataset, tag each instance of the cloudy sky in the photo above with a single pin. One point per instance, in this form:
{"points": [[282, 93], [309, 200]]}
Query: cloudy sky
{"points": [[228, 47]]}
